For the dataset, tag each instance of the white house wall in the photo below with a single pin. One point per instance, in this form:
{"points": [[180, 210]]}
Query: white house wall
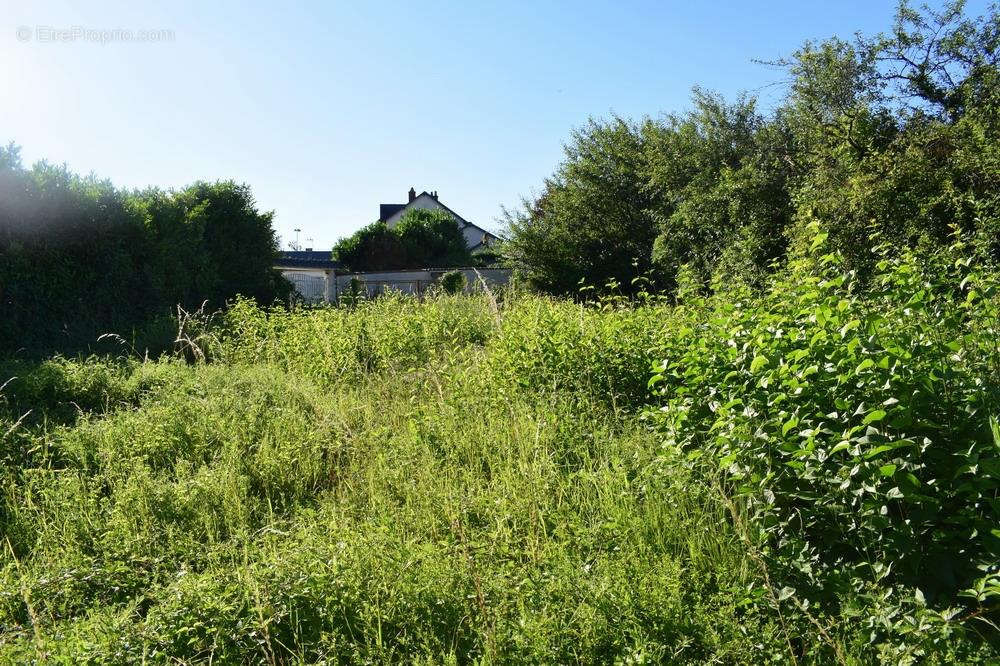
{"points": [[473, 236]]}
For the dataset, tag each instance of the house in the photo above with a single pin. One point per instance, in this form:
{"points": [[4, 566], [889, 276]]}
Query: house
{"points": [[313, 272], [318, 278], [476, 238]]}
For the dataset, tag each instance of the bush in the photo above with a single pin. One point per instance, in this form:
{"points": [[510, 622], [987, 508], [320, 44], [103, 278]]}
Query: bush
{"points": [[421, 239], [856, 434], [79, 258], [453, 282]]}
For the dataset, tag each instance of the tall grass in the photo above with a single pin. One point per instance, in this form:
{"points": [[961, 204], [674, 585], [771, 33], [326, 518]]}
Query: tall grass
{"points": [[249, 513], [448, 481]]}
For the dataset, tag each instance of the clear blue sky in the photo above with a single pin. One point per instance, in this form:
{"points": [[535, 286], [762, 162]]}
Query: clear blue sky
{"points": [[328, 109]]}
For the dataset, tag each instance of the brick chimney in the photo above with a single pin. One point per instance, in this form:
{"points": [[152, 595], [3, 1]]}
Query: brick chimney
{"points": [[413, 194]]}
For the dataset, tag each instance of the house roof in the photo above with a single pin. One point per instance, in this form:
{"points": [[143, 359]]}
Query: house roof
{"points": [[306, 259], [385, 211]]}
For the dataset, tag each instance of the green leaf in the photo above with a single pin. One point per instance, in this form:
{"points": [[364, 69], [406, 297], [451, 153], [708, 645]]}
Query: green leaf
{"points": [[887, 470], [789, 424], [757, 363], [840, 447], [882, 448], [872, 417], [786, 593], [848, 327]]}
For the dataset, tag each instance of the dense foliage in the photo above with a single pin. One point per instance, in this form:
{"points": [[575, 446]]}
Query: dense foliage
{"points": [[806, 472], [897, 134], [79, 258], [856, 433], [453, 282], [421, 239]]}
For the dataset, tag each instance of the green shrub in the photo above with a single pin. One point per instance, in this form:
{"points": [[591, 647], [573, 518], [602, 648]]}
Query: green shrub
{"points": [[79, 258], [453, 282], [854, 431]]}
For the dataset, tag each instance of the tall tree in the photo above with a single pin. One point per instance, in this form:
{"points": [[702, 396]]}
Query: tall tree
{"points": [[591, 224]]}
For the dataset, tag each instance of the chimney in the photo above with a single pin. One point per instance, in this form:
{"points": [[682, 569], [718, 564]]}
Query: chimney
{"points": [[435, 195], [413, 194]]}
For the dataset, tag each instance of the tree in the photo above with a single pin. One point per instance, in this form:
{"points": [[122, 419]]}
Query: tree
{"points": [[79, 257], [422, 238], [240, 241], [591, 224], [889, 139], [720, 180]]}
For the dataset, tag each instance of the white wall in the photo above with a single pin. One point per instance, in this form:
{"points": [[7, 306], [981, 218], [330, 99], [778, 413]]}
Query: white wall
{"points": [[314, 284], [473, 236]]}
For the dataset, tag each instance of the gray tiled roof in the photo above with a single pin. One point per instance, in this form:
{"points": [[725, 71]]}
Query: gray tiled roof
{"points": [[385, 211]]}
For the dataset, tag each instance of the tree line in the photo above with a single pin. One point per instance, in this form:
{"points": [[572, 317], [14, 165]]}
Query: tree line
{"points": [[79, 257], [892, 138]]}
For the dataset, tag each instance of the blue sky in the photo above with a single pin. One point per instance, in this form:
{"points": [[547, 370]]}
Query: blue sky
{"points": [[328, 109]]}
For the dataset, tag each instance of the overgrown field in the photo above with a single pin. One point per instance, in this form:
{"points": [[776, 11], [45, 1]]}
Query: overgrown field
{"points": [[805, 475]]}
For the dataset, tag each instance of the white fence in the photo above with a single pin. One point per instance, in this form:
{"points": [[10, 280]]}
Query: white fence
{"points": [[417, 282], [318, 285]]}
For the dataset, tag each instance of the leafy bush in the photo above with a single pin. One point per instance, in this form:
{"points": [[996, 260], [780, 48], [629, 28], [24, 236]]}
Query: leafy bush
{"points": [[453, 282], [421, 239], [856, 434], [79, 258]]}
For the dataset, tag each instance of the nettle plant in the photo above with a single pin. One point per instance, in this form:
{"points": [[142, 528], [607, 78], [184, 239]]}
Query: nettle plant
{"points": [[854, 431]]}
